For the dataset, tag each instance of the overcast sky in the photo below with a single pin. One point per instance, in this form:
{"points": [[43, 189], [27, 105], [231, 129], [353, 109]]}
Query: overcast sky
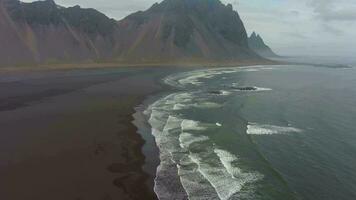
{"points": [[290, 27]]}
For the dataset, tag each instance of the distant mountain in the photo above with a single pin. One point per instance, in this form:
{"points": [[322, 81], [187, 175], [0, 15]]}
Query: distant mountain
{"points": [[173, 31], [257, 44]]}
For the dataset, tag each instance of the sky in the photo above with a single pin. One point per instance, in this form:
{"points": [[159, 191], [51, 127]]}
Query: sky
{"points": [[289, 27]]}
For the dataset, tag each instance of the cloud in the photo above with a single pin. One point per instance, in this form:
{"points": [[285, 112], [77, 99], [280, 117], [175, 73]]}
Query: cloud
{"points": [[332, 30], [295, 35], [330, 10], [295, 13]]}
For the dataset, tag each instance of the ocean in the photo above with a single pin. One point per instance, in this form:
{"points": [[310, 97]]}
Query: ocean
{"points": [[262, 132]]}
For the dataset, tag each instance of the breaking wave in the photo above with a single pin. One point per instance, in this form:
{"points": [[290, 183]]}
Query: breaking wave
{"points": [[189, 159], [191, 164], [265, 129]]}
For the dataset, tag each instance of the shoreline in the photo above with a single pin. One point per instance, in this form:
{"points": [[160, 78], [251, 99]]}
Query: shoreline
{"points": [[144, 129], [120, 166], [83, 145], [72, 66]]}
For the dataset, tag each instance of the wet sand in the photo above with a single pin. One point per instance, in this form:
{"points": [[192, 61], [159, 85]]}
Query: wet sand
{"points": [[67, 135], [91, 65]]}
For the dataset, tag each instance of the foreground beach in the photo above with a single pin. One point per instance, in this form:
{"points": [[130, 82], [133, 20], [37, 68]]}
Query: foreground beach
{"points": [[68, 134]]}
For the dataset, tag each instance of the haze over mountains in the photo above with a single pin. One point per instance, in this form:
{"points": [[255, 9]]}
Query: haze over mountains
{"points": [[173, 31], [256, 43]]}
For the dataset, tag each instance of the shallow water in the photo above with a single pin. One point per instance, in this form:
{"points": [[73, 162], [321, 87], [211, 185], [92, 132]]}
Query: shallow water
{"points": [[290, 135]]}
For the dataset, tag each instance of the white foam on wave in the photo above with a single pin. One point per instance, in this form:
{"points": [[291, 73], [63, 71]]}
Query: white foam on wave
{"points": [[262, 89], [265, 129], [202, 105], [195, 184], [227, 179], [227, 159], [183, 97], [217, 177], [230, 161], [167, 184], [251, 70], [172, 123], [268, 68], [225, 92], [210, 74], [195, 77], [179, 106], [207, 105], [191, 125], [253, 88], [189, 160], [186, 139], [172, 141]]}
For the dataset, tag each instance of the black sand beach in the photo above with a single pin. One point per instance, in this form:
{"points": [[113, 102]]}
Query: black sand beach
{"points": [[68, 134]]}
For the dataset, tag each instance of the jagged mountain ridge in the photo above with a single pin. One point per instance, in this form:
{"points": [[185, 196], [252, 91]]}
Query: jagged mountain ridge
{"points": [[170, 31], [185, 30], [42, 32], [257, 44]]}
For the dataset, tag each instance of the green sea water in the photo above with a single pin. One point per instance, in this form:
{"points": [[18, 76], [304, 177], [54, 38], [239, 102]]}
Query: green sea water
{"points": [[262, 132]]}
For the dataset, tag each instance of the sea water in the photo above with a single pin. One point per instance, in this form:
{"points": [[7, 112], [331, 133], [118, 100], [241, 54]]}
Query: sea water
{"points": [[261, 132]]}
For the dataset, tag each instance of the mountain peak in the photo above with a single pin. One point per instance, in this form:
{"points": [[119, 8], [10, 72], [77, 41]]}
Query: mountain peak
{"points": [[253, 35], [204, 29], [257, 44], [51, 2], [180, 16], [188, 5]]}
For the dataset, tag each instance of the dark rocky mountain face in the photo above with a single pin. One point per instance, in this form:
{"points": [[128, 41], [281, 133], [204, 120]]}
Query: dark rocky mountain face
{"points": [[185, 30], [48, 13], [213, 15], [170, 31], [43, 32], [257, 44]]}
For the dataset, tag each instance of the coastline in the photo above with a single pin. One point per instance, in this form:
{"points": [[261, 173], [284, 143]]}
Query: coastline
{"points": [[100, 112], [82, 141], [91, 65]]}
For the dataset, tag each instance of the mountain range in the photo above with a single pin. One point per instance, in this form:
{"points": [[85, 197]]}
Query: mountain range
{"points": [[173, 31]]}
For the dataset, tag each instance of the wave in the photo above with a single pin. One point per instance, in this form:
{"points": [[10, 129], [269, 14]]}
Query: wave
{"points": [[230, 162], [191, 165], [187, 139], [262, 89], [250, 88], [194, 77], [268, 68], [226, 178], [191, 125], [251, 70], [265, 129], [202, 105], [195, 184], [207, 105], [225, 93]]}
